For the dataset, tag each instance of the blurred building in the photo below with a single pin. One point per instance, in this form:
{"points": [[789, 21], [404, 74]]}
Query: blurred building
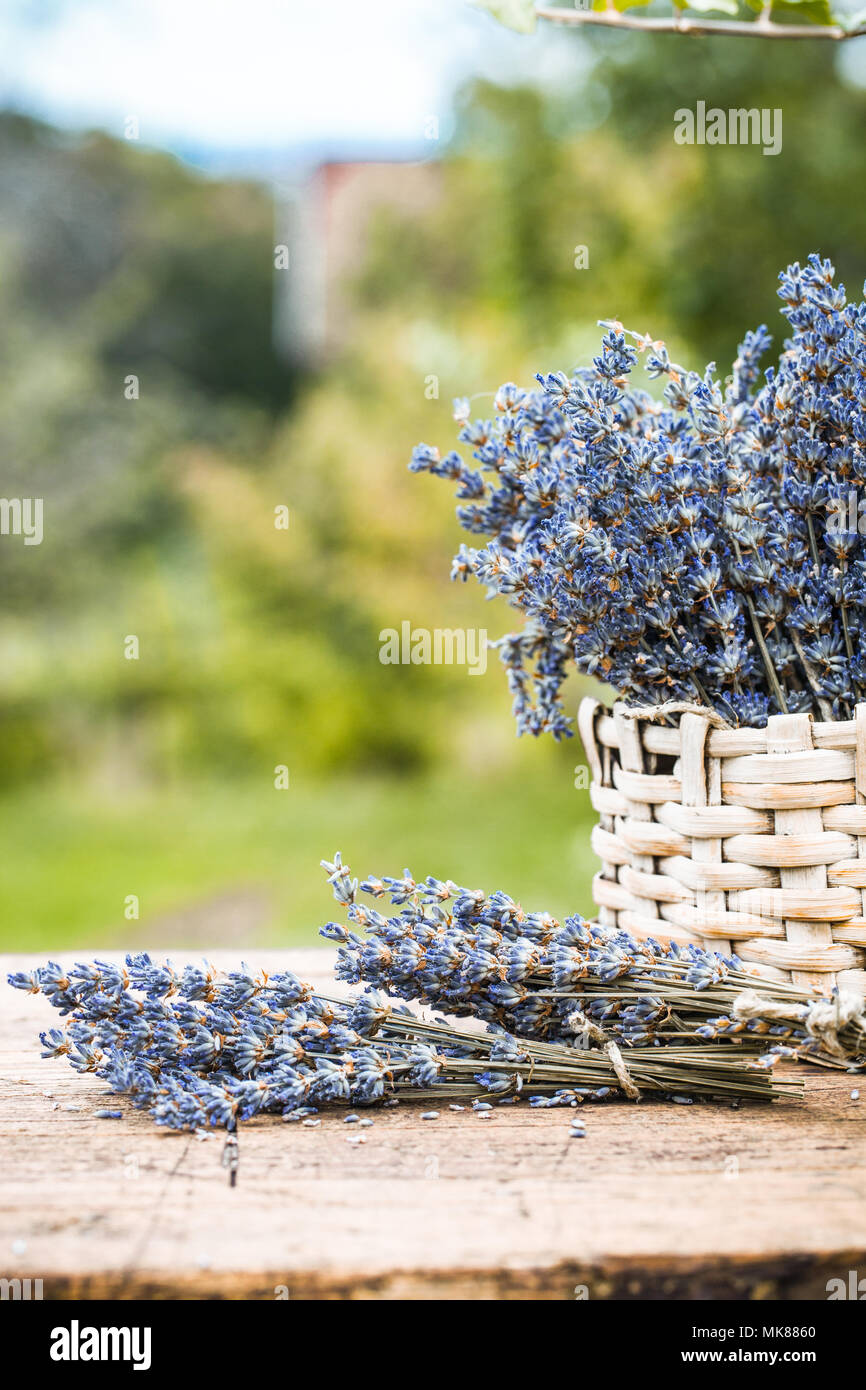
{"points": [[324, 222]]}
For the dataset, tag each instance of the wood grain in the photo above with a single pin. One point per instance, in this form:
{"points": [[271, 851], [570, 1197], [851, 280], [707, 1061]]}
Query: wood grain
{"points": [[461, 1207]]}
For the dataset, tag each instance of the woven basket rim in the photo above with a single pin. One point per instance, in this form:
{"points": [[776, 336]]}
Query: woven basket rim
{"points": [[839, 734]]}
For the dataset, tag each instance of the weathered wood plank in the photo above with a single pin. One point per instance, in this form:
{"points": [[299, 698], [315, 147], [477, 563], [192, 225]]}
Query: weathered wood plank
{"points": [[461, 1207]]}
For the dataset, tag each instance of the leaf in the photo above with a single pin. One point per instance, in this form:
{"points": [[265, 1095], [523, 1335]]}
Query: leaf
{"points": [[618, 4], [514, 14], [707, 6], [800, 11], [803, 11]]}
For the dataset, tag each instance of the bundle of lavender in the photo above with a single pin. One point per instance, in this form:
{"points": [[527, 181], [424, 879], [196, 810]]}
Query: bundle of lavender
{"points": [[698, 549], [198, 1048], [468, 953]]}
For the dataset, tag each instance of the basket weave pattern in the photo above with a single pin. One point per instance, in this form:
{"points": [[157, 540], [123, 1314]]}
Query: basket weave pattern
{"points": [[751, 840]]}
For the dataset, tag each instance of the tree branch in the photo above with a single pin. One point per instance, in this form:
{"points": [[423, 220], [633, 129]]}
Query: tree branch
{"points": [[681, 24]]}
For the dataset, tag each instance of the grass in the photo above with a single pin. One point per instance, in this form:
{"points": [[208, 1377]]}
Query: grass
{"points": [[217, 863]]}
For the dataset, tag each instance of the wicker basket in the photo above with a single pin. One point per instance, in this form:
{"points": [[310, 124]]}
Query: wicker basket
{"points": [[752, 840]]}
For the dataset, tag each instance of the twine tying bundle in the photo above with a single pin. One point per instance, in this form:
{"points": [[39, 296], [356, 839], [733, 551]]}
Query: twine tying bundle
{"points": [[588, 1032], [651, 714], [822, 1019]]}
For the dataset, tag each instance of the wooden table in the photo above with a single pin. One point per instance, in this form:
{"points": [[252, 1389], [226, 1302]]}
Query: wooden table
{"points": [[658, 1201]]}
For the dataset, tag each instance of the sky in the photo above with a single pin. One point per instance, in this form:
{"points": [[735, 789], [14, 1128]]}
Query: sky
{"points": [[226, 82]]}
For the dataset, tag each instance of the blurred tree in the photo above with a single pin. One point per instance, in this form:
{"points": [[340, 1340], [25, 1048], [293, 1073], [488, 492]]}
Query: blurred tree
{"points": [[684, 240], [262, 646], [739, 216], [153, 264]]}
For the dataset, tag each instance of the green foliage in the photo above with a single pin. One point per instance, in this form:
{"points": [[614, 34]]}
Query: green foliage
{"points": [[257, 646], [683, 241], [260, 647], [150, 262], [803, 11], [620, 4], [729, 7], [521, 16]]}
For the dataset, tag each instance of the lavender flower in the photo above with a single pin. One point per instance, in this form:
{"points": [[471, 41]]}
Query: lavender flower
{"points": [[198, 1049], [473, 954], [680, 548]]}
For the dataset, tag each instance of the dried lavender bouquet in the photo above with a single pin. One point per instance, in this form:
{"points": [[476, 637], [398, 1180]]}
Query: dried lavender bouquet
{"points": [[699, 548], [199, 1048], [468, 953]]}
